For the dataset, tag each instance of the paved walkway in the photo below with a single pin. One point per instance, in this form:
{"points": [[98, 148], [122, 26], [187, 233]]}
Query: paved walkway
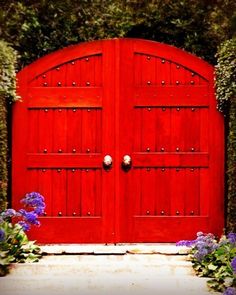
{"points": [[105, 270]]}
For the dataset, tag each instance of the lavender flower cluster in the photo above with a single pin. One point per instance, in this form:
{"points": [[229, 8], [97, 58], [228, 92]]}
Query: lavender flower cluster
{"points": [[204, 244], [33, 201]]}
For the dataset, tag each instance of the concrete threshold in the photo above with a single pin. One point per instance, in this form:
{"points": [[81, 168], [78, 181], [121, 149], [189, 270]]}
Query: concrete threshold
{"points": [[112, 249]]}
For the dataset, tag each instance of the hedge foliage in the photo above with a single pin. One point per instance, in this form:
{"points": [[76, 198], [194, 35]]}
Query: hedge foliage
{"points": [[37, 27], [7, 95], [226, 96]]}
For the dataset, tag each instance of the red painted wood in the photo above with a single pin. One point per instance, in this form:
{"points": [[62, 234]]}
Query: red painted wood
{"points": [[120, 97]]}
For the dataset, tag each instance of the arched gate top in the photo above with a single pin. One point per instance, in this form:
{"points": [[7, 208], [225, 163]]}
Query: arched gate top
{"points": [[93, 48]]}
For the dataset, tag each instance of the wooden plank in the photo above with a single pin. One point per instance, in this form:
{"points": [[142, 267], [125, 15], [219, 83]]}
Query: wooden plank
{"points": [[178, 126], [73, 202], [74, 136], [45, 188], [177, 183], [59, 177], [192, 190], [59, 130], [163, 127], [66, 97], [68, 230], [170, 159], [148, 135], [64, 160], [148, 191], [45, 134], [33, 131], [168, 228], [171, 96], [163, 191]]}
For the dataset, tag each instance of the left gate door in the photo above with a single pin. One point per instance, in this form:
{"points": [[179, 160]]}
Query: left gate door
{"points": [[62, 129]]}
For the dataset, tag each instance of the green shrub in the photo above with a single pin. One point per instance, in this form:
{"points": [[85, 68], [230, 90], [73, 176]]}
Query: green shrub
{"points": [[226, 96], [7, 95], [215, 259]]}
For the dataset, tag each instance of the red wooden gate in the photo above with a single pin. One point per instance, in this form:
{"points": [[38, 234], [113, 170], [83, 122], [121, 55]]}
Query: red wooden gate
{"points": [[149, 101]]}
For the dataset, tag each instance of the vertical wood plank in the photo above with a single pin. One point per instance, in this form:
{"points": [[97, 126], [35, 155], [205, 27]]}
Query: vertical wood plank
{"points": [[45, 188], [192, 192], [59, 177], [177, 191], [163, 127], [45, 134], [73, 192], [163, 192], [33, 133], [148, 130], [148, 193], [59, 130]]}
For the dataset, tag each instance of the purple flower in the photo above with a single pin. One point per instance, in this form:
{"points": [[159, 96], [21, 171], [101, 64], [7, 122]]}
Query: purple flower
{"points": [[233, 264], [30, 217], [8, 213], [187, 243], [24, 225], [230, 291], [36, 201], [2, 235], [232, 238]]}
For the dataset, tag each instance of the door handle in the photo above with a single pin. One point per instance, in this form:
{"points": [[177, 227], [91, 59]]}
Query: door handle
{"points": [[126, 163], [107, 162]]}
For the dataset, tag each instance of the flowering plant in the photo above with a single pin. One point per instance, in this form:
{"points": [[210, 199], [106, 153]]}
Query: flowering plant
{"points": [[14, 244], [215, 259]]}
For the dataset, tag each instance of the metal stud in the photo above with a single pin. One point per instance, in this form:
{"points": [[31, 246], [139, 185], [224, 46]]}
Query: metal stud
{"points": [[72, 63], [46, 110], [74, 110], [178, 109], [60, 151], [59, 213], [59, 110], [162, 149], [192, 149], [147, 212], [192, 212], [45, 213], [87, 83], [177, 212], [45, 84], [74, 151], [148, 169], [88, 213], [73, 170], [58, 68], [162, 169], [148, 149], [163, 109], [163, 61], [73, 84], [177, 169], [59, 84], [88, 110], [44, 76], [74, 213], [59, 170], [88, 151], [163, 82], [149, 109], [44, 170], [162, 212], [177, 67], [177, 82], [192, 74], [192, 82], [148, 57], [192, 169], [148, 82], [87, 59], [193, 109], [177, 149], [87, 170], [45, 151]]}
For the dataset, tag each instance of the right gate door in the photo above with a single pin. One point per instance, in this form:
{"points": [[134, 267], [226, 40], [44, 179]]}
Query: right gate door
{"points": [[169, 128]]}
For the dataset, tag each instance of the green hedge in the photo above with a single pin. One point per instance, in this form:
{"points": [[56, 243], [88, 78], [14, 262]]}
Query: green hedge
{"points": [[226, 96], [7, 95]]}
